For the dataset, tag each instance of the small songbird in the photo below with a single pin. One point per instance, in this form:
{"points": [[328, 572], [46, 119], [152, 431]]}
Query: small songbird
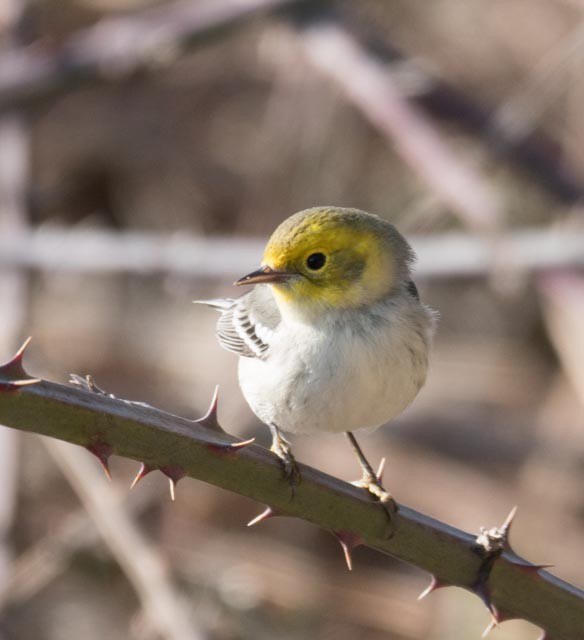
{"points": [[333, 337]]}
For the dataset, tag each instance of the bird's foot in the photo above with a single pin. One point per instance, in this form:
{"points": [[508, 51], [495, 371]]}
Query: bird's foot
{"points": [[281, 447], [373, 484]]}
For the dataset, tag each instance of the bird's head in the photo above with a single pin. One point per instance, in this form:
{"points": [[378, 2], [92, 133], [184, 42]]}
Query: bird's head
{"points": [[333, 258]]}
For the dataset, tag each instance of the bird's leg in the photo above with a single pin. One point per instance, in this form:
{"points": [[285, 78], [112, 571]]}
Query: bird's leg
{"points": [[281, 447], [370, 481]]}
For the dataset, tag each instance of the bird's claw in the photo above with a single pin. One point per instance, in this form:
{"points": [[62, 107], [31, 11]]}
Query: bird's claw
{"points": [[281, 447], [375, 488]]}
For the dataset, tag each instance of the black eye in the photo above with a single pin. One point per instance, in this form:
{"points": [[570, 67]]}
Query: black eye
{"points": [[315, 261]]}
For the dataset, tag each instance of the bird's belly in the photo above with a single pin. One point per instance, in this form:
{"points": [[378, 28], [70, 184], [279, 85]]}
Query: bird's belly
{"points": [[315, 386]]}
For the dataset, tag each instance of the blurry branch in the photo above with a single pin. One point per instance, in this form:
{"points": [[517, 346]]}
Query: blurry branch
{"points": [[118, 48], [142, 564], [510, 586], [439, 256], [563, 306], [499, 128], [369, 85], [519, 114], [269, 570], [39, 565]]}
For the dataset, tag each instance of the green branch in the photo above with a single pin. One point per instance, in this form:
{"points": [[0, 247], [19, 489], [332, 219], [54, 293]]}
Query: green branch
{"points": [[510, 586]]}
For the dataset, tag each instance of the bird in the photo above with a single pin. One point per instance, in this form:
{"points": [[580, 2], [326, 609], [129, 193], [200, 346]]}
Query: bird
{"points": [[333, 336]]}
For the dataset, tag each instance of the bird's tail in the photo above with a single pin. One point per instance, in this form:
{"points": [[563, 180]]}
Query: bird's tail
{"points": [[221, 304]]}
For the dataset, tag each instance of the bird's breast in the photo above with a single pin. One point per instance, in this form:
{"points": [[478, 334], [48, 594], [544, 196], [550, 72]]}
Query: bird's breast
{"points": [[350, 376]]}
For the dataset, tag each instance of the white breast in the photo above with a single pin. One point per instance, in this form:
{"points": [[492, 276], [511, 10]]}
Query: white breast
{"points": [[353, 372]]}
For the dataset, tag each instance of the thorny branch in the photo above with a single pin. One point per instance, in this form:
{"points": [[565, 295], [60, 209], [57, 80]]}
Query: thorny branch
{"points": [[510, 586]]}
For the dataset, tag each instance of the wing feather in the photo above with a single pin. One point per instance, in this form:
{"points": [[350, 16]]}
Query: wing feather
{"points": [[246, 324]]}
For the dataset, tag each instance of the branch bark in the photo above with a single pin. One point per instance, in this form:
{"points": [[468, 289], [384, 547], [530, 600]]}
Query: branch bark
{"points": [[509, 585]]}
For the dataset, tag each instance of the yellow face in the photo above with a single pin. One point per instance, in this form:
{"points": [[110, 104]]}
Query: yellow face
{"points": [[332, 257]]}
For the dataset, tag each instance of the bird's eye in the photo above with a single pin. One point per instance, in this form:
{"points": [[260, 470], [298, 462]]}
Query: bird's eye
{"points": [[315, 261]]}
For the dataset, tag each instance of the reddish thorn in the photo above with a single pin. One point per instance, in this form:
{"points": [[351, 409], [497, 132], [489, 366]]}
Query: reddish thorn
{"points": [[482, 592], [496, 614], [348, 541], [210, 419], [174, 474], [530, 568], [142, 472], [434, 584], [14, 368], [264, 515], [102, 451], [501, 615], [380, 469]]}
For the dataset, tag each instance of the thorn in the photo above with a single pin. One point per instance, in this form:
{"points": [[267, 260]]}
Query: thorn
{"points": [[142, 472], [434, 584], [14, 369], [15, 385], [229, 447], [264, 515], [241, 444], [481, 590], [174, 474], [380, 470], [489, 628], [102, 451], [506, 528], [210, 419], [528, 567], [172, 486], [348, 541]]}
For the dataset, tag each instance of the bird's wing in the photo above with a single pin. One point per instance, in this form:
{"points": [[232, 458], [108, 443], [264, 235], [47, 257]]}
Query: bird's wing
{"points": [[246, 324]]}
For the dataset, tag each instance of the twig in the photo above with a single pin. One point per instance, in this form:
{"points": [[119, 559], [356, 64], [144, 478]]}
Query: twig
{"points": [[511, 586], [520, 112], [443, 255]]}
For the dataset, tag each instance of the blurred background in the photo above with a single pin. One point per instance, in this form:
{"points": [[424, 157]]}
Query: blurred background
{"points": [[147, 150]]}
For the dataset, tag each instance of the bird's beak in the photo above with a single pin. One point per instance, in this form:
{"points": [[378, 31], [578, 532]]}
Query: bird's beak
{"points": [[263, 274]]}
